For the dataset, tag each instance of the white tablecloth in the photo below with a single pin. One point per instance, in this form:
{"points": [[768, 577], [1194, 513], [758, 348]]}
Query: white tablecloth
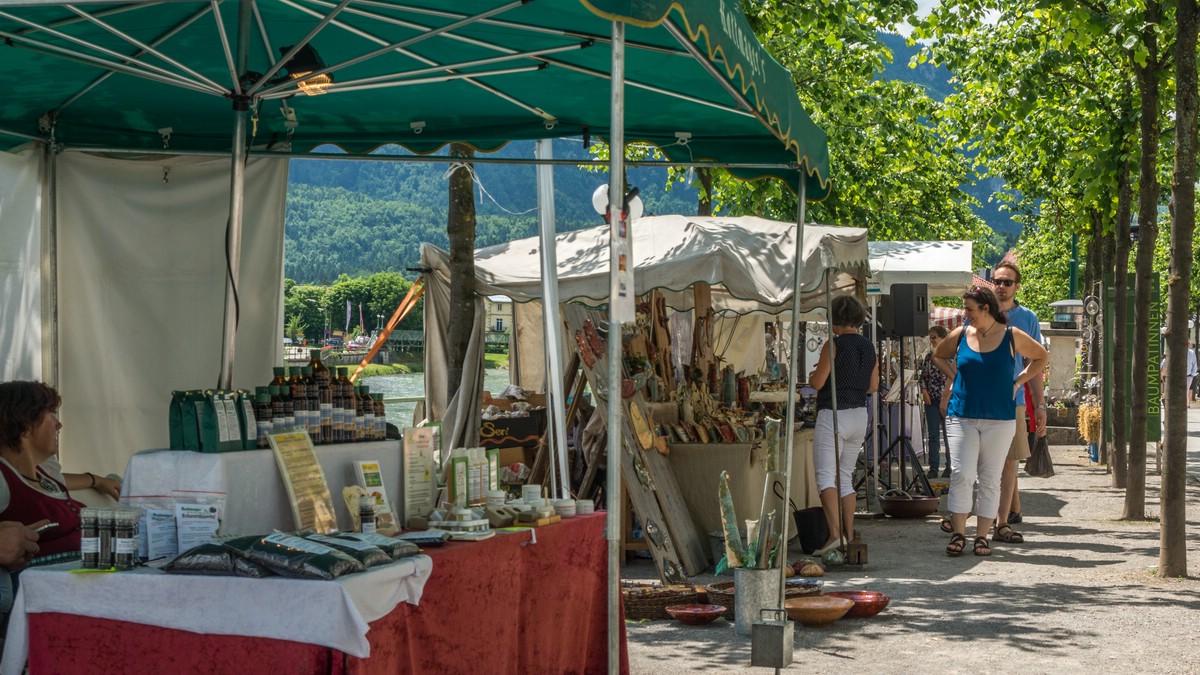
{"points": [[256, 499], [329, 613]]}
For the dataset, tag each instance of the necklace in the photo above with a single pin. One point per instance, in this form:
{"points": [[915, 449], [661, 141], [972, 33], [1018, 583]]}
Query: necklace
{"points": [[42, 481], [989, 329]]}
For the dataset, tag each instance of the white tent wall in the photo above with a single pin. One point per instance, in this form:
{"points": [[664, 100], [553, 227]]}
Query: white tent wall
{"points": [[460, 415], [741, 342], [141, 286], [21, 265]]}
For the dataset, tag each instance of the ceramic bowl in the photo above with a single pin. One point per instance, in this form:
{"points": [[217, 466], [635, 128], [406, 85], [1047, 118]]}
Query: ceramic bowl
{"points": [[817, 609], [909, 507], [695, 615], [866, 603]]}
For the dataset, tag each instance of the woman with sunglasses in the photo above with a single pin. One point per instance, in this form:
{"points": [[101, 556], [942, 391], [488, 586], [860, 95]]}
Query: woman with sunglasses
{"points": [[980, 419]]}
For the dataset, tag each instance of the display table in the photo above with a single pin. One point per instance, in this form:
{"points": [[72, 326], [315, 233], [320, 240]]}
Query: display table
{"points": [[330, 613], [504, 605], [256, 499]]}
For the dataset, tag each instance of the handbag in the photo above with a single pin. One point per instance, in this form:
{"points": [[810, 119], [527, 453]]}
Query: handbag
{"points": [[811, 527], [1038, 464]]}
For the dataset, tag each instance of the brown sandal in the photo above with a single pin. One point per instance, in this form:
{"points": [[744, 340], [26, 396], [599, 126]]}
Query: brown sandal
{"points": [[955, 547], [981, 546], [1006, 534], [946, 526]]}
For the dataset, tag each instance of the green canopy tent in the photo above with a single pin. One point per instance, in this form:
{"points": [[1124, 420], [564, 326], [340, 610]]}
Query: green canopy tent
{"points": [[285, 76]]}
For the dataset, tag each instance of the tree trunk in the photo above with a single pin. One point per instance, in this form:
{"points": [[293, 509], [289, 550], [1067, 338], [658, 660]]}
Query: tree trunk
{"points": [[1143, 314], [704, 207], [460, 227], [1118, 461], [1108, 261], [1172, 551]]}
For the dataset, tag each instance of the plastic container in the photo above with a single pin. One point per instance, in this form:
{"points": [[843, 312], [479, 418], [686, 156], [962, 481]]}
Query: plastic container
{"points": [[565, 508]]}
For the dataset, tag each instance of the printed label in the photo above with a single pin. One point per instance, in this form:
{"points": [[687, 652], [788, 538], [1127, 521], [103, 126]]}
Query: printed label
{"points": [[289, 541], [356, 545]]}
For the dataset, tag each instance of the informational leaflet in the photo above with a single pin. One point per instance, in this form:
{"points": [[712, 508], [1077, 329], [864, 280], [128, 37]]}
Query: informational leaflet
{"points": [[196, 524], [312, 506], [420, 488], [370, 477]]}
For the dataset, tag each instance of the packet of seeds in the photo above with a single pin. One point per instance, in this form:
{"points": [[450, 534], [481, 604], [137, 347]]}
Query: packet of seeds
{"points": [[367, 554], [292, 556]]}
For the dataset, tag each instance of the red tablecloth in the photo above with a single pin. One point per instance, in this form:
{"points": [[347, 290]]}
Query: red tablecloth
{"points": [[495, 606]]}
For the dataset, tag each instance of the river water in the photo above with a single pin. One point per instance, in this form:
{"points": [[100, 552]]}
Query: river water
{"points": [[407, 385]]}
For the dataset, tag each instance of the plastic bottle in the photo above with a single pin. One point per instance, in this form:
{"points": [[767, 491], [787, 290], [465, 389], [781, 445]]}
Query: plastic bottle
{"points": [[380, 417], [299, 398], [263, 416], [366, 414], [324, 396], [349, 407], [289, 408]]}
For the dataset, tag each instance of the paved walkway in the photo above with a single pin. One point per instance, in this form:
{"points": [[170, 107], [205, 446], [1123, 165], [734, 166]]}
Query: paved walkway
{"points": [[1080, 594]]}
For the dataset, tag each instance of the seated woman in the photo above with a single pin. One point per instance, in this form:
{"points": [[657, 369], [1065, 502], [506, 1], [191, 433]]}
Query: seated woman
{"points": [[34, 488]]}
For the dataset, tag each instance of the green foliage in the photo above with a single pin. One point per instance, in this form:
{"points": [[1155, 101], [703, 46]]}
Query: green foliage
{"points": [[308, 308]]}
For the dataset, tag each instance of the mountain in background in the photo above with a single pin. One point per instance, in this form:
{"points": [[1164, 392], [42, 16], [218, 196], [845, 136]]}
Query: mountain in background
{"points": [[358, 217], [936, 81]]}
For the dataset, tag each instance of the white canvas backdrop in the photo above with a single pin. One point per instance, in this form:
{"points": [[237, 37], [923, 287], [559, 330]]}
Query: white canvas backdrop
{"points": [[20, 266], [141, 293]]}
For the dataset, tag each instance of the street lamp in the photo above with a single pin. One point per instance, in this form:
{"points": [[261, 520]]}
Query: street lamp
{"points": [[378, 322]]}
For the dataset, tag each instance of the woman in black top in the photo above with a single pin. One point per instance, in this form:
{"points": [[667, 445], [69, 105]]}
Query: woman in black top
{"points": [[857, 376]]}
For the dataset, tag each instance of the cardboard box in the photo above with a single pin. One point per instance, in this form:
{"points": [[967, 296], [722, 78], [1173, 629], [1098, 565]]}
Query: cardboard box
{"points": [[521, 432], [516, 455]]}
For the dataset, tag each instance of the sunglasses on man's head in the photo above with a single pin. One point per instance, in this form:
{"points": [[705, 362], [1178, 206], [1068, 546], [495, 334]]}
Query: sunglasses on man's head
{"points": [[1004, 282]]}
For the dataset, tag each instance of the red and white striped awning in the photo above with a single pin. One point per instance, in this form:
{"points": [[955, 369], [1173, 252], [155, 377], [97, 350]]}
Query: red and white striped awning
{"points": [[946, 317]]}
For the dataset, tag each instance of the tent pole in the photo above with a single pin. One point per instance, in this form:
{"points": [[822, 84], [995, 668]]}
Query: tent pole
{"points": [[237, 183], [793, 380], [551, 325], [616, 196], [50, 265], [873, 485]]}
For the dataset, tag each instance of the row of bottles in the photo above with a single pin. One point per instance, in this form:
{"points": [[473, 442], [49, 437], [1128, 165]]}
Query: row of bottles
{"points": [[331, 408]]}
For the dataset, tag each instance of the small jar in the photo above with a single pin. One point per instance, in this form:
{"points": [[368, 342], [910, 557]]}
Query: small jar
{"points": [[125, 539], [105, 525], [89, 543], [366, 513]]}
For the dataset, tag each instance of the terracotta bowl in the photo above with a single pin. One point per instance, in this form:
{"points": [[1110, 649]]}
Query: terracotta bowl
{"points": [[866, 603], [909, 507], [817, 609], [695, 615]]}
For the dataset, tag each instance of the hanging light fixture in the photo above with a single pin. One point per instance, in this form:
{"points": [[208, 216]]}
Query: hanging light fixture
{"points": [[305, 61]]}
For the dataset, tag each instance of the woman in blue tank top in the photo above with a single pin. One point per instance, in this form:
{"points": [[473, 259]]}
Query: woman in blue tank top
{"points": [[980, 359]]}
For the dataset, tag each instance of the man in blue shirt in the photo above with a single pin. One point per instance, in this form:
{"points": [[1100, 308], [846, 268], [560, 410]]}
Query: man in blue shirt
{"points": [[1006, 281]]}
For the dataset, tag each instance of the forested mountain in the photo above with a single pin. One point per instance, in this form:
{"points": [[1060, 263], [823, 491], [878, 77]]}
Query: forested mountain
{"points": [[358, 217], [936, 81]]}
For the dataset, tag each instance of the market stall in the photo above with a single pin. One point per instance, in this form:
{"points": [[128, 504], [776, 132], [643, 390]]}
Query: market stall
{"points": [[707, 286], [460, 598], [244, 81]]}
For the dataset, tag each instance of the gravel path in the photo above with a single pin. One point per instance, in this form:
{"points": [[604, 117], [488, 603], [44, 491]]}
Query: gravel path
{"points": [[1079, 594]]}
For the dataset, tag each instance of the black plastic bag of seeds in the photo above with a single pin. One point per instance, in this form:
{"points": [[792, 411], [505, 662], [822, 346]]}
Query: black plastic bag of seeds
{"points": [[367, 554], [291, 556], [216, 560], [396, 548]]}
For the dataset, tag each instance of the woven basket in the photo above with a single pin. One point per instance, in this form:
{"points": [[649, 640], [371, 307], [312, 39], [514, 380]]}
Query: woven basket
{"points": [[651, 601], [722, 593]]}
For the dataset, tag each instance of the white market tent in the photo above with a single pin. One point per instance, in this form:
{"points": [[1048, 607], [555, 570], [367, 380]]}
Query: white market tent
{"points": [[945, 266], [749, 263]]}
